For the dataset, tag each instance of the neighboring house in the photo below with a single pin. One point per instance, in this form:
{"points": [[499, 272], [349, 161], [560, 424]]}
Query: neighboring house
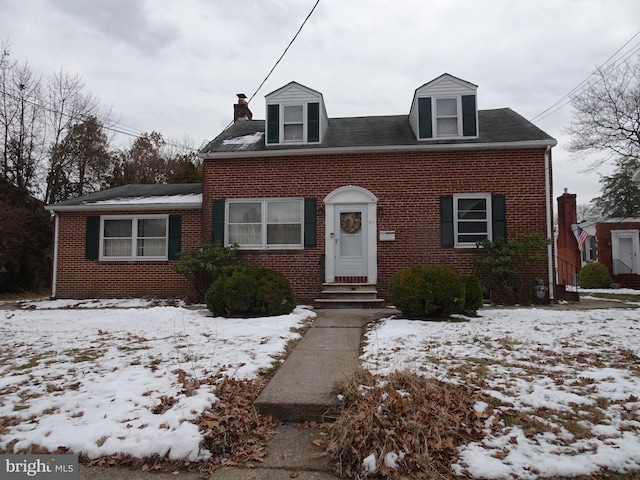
{"points": [[613, 242], [345, 203]]}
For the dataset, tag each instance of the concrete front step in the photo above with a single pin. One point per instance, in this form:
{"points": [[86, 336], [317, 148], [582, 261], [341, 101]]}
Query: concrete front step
{"points": [[348, 295]]}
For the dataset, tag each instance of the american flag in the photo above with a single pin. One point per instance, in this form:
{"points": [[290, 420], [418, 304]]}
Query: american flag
{"points": [[582, 237]]}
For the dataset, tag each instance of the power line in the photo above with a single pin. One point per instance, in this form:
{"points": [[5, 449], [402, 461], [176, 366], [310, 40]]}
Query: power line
{"points": [[585, 84], [285, 51]]}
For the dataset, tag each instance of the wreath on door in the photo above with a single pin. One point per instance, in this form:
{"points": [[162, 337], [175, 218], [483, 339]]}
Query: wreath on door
{"points": [[351, 222]]}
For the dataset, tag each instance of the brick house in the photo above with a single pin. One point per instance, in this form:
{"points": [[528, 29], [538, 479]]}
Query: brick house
{"points": [[345, 202], [614, 242]]}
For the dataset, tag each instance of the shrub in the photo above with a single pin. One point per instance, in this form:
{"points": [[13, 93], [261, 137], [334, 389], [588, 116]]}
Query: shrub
{"points": [[508, 269], [473, 297], [274, 295], [203, 264], [253, 291], [427, 291], [595, 275]]}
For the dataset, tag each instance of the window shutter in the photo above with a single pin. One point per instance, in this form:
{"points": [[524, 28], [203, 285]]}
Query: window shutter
{"points": [[92, 238], [273, 123], [217, 222], [469, 127], [309, 222], [498, 216], [313, 122], [425, 122], [175, 236], [446, 222]]}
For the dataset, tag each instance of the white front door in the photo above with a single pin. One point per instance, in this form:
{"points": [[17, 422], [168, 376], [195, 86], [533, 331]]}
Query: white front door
{"points": [[624, 248], [351, 251], [351, 241]]}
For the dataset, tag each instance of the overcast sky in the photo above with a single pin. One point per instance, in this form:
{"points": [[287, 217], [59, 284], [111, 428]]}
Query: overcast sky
{"points": [[175, 66]]}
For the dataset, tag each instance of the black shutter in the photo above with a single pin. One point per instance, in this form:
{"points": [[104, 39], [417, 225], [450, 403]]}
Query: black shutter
{"points": [[217, 222], [310, 222], [175, 236], [469, 127], [92, 238], [498, 216], [313, 122], [273, 123], [425, 123], [446, 222]]}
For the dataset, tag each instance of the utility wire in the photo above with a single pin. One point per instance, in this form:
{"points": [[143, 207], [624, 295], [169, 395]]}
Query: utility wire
{"points": [[285, 51], [585, 85]]}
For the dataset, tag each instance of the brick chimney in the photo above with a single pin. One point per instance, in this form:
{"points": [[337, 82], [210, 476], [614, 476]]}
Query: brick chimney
{"points": [[567, 245], [241, 109]]}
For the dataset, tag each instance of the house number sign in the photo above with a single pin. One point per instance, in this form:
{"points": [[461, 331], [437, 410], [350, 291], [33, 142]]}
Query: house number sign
{"points": [[351, 222]]}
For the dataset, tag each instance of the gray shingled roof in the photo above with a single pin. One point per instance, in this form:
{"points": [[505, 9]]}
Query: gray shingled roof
{"points": [[133, 191], [499, 126]]}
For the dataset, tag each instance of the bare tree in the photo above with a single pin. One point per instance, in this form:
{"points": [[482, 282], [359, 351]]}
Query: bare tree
{"points": [[606, 117], [69, 105], [21, 120]]}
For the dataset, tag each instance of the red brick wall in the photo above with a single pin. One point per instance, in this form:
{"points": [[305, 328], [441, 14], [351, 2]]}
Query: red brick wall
{"points": [[569, 261], [81, 278], [408, 186]]}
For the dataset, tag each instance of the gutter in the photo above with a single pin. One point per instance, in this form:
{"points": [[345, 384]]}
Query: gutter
{"points": [[282, 152], [547, 192], [54, 277], [121, 207]]}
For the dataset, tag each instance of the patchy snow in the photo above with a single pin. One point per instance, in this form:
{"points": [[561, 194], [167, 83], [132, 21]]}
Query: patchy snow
{"points": [[245, 141], [567, 385], [88, 379], [189, 199]]}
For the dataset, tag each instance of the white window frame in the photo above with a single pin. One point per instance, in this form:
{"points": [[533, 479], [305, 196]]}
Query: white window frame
{"points": [[457, 221], [589, 251], [437, 117], [134, 238], [263, 245], [283, 123]]}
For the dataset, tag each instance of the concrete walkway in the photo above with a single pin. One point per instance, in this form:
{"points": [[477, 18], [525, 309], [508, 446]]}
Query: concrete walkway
{"points": [[302, 388]]}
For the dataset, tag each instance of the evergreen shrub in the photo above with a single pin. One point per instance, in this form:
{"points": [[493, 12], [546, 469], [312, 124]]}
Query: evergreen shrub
{"points": [[427, 291], [595, 275], [251, 292], [473, 295]]}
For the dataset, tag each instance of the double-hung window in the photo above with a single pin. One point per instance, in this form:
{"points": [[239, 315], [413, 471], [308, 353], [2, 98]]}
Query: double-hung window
{"points": [[293, 123], [472, 219], [265, 223], [134, 237], [447, 116]]}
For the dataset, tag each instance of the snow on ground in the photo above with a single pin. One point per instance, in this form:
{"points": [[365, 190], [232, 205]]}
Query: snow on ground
{"points": [[565, 385], [88, 377]]}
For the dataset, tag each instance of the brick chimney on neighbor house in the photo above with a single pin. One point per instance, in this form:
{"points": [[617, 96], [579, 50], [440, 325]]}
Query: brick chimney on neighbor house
{"points": [[241, 109], [567, 245]]}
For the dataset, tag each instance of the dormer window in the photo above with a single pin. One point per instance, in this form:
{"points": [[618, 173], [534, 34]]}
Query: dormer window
{"points": [[446, 117], [444, 109], [293, 123], [295, 115]]}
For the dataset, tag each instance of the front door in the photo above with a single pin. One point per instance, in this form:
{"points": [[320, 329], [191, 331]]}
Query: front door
{"points": [[624, 248], [351, 256]]}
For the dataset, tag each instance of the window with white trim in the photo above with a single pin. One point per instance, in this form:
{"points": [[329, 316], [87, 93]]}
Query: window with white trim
{"points": [[265, 223], [127, 237], [471, 219], [589, 252], [447, 117], [293, 123]]}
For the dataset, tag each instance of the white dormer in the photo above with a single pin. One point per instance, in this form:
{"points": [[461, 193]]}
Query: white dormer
{"points": [[445, 109], [295, 115]]}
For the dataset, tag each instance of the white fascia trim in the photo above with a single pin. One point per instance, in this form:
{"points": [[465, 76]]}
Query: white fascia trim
{"points": [[374, 149], [117, 207]]}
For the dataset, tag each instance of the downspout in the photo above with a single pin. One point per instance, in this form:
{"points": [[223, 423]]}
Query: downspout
{"points": [[54, 276], [547, 188]]}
